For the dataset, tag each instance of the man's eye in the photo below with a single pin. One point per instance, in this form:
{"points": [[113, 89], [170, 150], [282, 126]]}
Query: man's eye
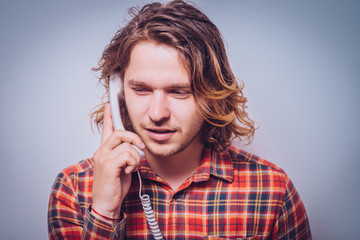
{"points": [[180, 93], [140, 90]]}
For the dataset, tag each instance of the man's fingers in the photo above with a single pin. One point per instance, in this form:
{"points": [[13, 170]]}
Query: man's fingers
{"points": [[130, 137], [120, 136], [123, 156], [108, 127]]}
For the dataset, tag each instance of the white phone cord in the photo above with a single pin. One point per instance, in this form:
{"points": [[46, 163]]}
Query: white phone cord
{"points": [[149, 213]]}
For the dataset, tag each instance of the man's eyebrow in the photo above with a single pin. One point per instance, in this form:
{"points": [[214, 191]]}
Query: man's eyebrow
{"points": [[134, 82], [179, 85]]}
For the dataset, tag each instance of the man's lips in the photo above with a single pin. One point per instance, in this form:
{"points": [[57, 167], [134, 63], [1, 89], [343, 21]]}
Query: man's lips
{"points": [[160, 134]]}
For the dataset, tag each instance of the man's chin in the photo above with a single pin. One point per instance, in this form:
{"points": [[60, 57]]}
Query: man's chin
{"points": [[163, 150]]}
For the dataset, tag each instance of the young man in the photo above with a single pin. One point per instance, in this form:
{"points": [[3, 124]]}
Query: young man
{"points": [[181, 105]]}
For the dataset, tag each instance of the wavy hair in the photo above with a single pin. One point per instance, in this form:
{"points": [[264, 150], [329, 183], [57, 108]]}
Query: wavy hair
{"points": [[199, 43]]}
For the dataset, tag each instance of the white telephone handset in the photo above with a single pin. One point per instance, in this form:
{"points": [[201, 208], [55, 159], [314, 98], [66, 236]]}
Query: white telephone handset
{"points": [[114, 91]]}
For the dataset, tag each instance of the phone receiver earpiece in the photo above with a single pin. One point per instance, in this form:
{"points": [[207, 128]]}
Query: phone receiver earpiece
{"points": [[114, 92]]}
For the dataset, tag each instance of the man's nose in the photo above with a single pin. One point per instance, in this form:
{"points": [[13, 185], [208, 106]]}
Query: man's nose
{"points": [[159, 107]]}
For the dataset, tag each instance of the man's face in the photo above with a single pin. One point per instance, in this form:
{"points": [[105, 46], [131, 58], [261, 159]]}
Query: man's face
{"points": [[159, 100]]}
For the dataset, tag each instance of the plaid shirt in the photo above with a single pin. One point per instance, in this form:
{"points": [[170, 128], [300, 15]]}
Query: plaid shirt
{"points": [[233, 195]]}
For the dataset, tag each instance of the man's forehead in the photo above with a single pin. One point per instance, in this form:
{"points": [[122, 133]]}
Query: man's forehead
{"points": [[156, 65], [142, 48]]}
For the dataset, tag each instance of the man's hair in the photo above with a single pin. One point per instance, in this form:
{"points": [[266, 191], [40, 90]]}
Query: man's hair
{"points": [[201, 49]]}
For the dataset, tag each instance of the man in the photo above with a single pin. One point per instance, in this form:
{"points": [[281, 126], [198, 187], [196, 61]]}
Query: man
{"points": [[181, 105]]}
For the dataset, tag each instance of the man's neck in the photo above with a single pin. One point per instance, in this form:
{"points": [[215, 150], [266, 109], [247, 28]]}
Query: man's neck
{"points": [[176, 169]]}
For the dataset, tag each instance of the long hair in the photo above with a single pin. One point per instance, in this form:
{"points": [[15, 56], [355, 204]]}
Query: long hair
{"points": [[199, 43]]}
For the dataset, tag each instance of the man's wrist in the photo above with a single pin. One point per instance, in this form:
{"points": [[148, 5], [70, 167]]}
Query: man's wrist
{"points": [[113, 220]]}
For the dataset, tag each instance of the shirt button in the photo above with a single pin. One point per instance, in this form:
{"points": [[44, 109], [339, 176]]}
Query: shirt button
{"points": [[176, 196]]}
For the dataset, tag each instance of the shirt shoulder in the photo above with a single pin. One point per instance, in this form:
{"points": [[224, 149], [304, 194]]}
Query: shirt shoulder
{"points": [[79, 167], [75, 178], [265, 180], [240, 157], [258, 169], [73, 186]]}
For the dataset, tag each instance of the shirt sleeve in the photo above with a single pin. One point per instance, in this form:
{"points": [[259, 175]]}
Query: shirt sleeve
{"points": [[66, 219], [292, 222]]}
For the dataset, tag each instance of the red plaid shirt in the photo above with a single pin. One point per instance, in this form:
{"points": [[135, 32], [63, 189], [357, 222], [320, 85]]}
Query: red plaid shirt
{"points": [[233, 195]]}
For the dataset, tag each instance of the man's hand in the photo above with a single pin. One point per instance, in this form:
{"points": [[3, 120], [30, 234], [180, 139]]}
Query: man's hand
{"points": [[113, 163]]}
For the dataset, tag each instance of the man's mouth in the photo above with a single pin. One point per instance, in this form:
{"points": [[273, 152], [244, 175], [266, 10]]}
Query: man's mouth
{"points": [[160, 134], [160, 130]]}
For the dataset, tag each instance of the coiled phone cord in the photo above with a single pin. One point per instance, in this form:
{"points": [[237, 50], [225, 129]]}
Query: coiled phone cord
{"points": [[149, 213]]}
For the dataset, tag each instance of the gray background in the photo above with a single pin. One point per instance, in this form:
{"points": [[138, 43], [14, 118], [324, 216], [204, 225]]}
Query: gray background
{"points": [[298, 59]]}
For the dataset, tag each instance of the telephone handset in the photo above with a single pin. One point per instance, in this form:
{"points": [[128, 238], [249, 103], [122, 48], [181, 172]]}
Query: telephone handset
{"points": [[114, 91]]}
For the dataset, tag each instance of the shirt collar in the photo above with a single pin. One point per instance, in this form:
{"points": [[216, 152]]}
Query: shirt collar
{"points": [[146, 171], [216, 164], [213, 163]]}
